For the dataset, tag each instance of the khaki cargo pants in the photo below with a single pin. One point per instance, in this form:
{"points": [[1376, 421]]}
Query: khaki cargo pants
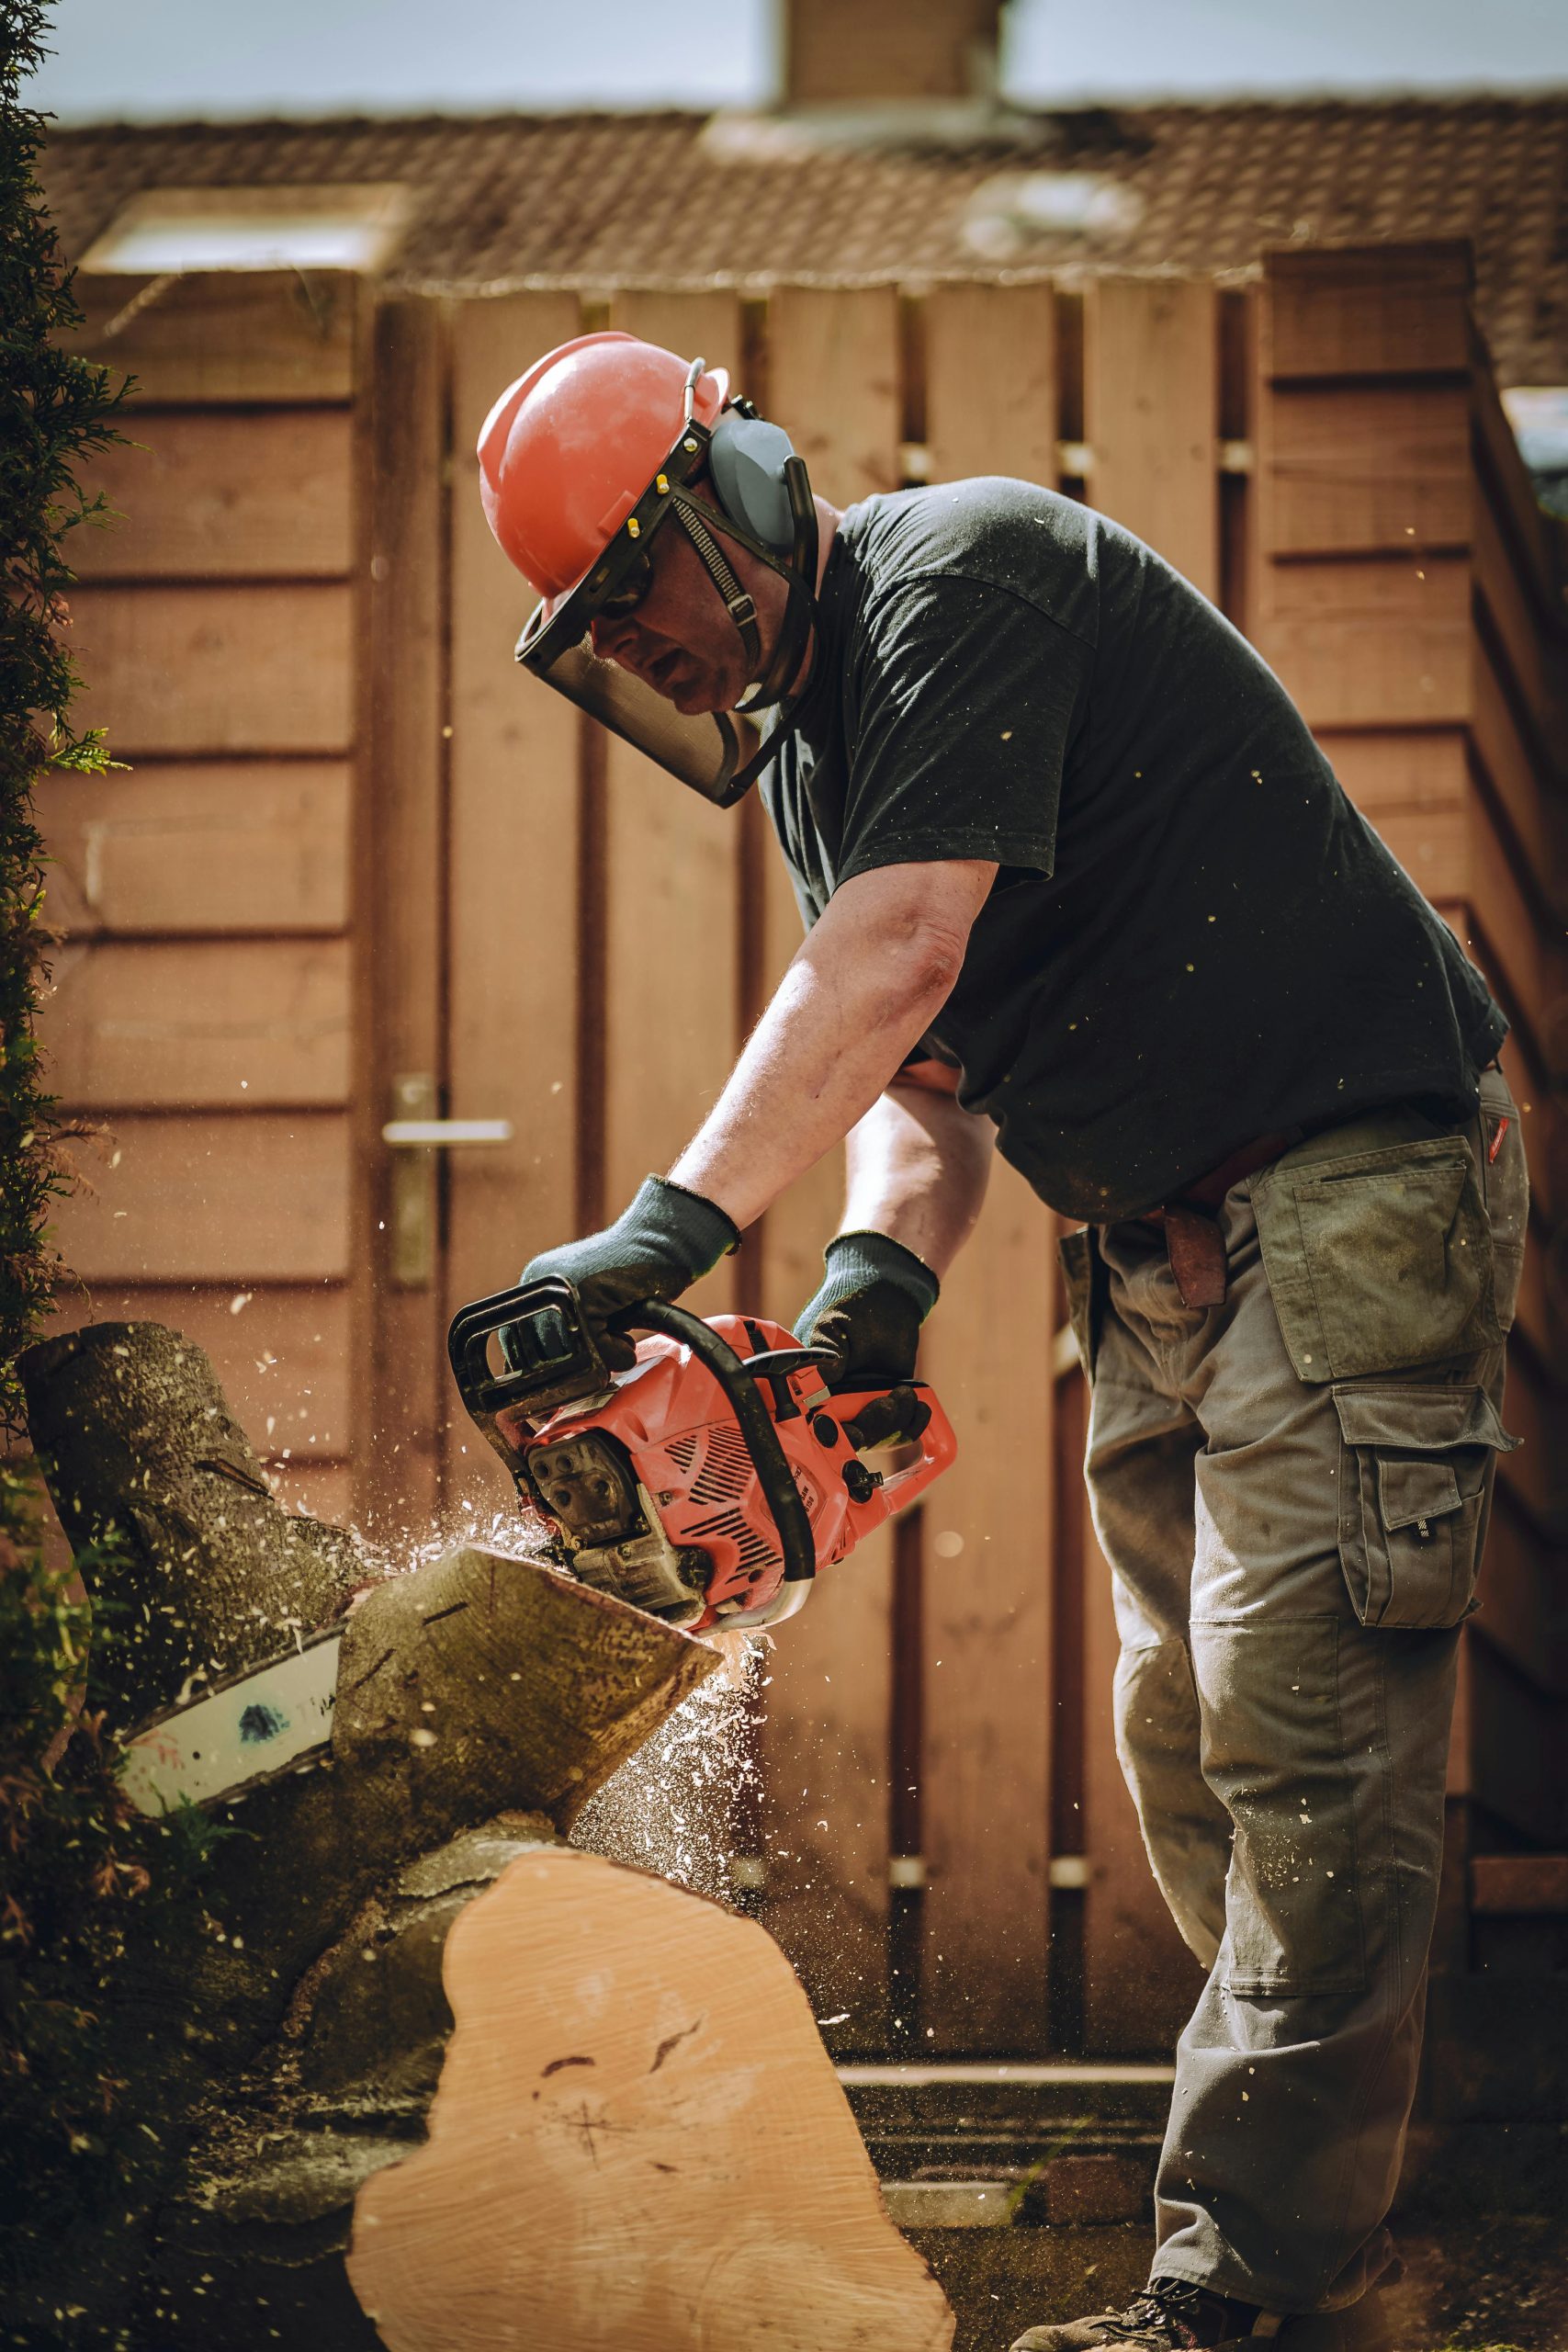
{"points": [[1291, 1490]]}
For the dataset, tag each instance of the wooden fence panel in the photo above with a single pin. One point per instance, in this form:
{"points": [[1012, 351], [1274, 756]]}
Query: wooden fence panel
{"points": [[214, 1198], [242, 1024], [833, 383], [516, 944], [223, 848], [227, 495], [1448, 665], [990, 354], [228, 667], [201, 1004], [990, 407], [1151, 416], [673, 1017]]}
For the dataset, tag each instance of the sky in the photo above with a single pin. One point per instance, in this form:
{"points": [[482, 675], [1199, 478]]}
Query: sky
{"points": [[148, 59]]}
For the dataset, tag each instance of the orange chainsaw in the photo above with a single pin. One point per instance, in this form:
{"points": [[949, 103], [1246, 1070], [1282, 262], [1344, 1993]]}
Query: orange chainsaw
{"points": [[710, 1482]]}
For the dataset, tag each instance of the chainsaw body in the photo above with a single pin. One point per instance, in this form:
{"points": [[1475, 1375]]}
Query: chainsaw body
{"points": [[707, 1484]]}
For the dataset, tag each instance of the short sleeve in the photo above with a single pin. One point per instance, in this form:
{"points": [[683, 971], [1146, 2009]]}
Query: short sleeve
{"points": [[967, 700]]}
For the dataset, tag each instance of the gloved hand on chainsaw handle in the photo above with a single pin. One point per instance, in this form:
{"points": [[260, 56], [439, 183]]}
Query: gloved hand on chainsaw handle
{"points": [[874, 1296], [656, 1249]]}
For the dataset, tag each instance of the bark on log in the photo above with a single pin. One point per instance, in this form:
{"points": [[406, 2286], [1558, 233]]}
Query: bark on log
{"points": [[137, 1442]]}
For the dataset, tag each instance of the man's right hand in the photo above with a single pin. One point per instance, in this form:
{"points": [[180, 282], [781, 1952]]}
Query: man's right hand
{"points": [[874, 1298], [656, 1249]]}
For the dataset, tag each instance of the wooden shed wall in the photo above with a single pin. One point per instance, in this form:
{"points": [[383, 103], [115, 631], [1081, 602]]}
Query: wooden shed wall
{"points": [[360, 863], [1410, 593], [201, 1017]]}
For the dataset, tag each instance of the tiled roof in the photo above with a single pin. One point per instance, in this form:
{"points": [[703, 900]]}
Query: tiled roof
{"points": [[620, 198]]}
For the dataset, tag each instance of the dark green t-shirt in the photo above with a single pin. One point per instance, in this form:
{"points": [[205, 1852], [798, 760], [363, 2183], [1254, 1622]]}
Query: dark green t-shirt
{"points": [[1194, 939]]}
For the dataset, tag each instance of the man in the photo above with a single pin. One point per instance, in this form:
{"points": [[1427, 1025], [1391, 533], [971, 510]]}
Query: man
{"points": [[1080, 886]]}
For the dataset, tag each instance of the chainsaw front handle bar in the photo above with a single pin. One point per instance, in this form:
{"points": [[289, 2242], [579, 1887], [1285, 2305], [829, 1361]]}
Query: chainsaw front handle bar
{"points": [[739, 1385]]}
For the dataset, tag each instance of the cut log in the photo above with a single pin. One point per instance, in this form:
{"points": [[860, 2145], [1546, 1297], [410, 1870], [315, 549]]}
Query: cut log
{"points": [[282, 2042], [475, 1686], [638, 2140]]}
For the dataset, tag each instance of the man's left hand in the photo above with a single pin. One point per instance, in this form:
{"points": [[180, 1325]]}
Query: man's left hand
{"points": [[655, 1249]]}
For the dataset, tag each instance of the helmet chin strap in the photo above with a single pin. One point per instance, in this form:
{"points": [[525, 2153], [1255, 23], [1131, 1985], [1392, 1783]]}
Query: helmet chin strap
{"points": [[798, 572]]}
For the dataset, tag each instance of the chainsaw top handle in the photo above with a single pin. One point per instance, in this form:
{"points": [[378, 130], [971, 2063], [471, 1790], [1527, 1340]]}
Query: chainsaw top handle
{"points": [[739, 1385]]}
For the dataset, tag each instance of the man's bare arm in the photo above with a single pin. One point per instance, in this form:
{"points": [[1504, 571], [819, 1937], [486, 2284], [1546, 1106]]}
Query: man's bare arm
{"points": [[919, 1167], [865, 985]]}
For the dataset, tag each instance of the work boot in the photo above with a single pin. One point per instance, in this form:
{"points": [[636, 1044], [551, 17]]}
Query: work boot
{"points": [[1172, 2315]]}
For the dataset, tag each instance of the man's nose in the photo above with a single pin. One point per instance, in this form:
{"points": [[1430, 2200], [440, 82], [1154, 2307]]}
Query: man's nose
{"points": [[611, 635]]}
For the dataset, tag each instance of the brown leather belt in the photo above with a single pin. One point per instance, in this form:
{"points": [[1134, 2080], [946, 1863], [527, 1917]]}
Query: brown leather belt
{"points": [[1193, 1241]]}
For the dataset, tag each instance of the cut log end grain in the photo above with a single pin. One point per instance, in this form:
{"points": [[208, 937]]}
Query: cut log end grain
{"points": [[638, 2140]]}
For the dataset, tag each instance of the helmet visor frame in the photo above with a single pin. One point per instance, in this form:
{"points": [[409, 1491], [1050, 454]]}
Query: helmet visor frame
{"points": [[717, 753]]}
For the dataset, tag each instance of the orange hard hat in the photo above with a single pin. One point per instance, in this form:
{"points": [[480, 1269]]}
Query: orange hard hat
{"points": [[571, 447]]}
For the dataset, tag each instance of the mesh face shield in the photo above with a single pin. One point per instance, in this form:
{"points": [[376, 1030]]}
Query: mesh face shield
{"points": [[717, 753]]}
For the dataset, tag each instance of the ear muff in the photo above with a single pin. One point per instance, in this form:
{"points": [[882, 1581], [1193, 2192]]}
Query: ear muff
{"points": [[747, 456]]}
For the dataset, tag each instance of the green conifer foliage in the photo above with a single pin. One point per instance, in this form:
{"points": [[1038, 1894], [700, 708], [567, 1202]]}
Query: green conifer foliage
{"points": [[72, 1862]]}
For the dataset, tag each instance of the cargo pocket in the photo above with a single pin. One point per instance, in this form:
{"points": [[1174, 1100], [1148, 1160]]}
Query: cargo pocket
{"points": [[1378, 1261], [1414, 1483]]}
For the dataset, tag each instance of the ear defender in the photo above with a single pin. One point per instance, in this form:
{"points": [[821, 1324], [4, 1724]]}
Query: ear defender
{"points": [[747, 457]]}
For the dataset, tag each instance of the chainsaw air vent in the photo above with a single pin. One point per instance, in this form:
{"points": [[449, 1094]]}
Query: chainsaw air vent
{"points": [[683, 1451], [737, 1529], [727, 1471]]}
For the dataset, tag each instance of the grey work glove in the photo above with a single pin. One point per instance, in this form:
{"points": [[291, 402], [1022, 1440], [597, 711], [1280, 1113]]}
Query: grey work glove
{"points": [[874, 1298], [663, 1243]]}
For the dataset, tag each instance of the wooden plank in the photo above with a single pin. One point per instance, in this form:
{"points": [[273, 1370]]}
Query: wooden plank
{"points": [[987, 1630], [1151, 416], [1413, 769], [213, 1197], [201, 494], [1518, 1886], [1370, 643], [1366, 310], [1521, 1613], [281, 1353], [1531, 639], [672, 1019], [991, 382], [232, 1024], [1433, 846], [513, 967], [833, 384], [400, 853], [1140, 1980], [1542, 1311], [1536, 1477], [261, 336], [990, 407], [217, 669], [833, 380], [1370, 468], [1510, 766], [232, 847], [825, 1722], [1517, 1748]]}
